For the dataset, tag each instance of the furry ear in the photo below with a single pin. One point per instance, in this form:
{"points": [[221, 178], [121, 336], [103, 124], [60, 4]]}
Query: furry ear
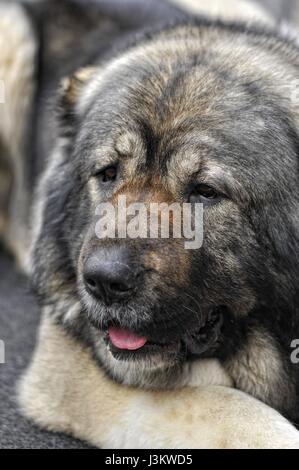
{"points": [[70, 91], [73, 85]]}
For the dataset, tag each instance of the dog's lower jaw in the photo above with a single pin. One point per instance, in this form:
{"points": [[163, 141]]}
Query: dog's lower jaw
{"points": [[148, 372], [156, 372]]}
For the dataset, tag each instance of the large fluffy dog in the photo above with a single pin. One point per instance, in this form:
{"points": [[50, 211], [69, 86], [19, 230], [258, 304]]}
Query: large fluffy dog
{"points": [[192, 111]]}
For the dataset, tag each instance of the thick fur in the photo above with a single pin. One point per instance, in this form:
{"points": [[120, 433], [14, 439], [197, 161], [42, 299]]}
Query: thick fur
{"points": [[200, 97], [64, 390]]}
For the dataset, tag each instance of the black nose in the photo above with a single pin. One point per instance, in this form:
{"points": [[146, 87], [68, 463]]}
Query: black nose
{"points": [[110, 275]]}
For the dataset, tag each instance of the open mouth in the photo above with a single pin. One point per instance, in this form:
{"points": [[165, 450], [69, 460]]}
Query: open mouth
{"points": [[125, 344], [122, 338]]}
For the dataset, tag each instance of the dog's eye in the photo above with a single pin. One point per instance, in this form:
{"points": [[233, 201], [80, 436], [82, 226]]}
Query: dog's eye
{"points": [[108, 175], [204, 194]]}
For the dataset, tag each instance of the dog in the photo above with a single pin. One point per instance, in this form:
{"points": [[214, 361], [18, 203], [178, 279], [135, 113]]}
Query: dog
{"points": [[193, 110]]}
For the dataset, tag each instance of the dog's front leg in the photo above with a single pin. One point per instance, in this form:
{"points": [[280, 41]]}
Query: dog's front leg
{"points": [[64, 390]]}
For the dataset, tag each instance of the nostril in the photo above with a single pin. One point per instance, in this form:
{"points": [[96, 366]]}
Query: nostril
{"points": [[117, 287], [90, 282], [110, 275]]}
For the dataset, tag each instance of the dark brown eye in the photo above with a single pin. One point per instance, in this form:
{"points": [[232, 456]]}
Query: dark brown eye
{"points": [[204, 194], [108, 175]]}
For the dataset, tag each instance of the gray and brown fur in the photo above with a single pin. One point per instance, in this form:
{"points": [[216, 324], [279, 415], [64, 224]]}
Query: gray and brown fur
{"points": [[197, 101]]}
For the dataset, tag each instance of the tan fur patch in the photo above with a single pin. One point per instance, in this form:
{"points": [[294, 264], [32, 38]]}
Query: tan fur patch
{"points": [[259, 362], [72, 86], [129, 144]]}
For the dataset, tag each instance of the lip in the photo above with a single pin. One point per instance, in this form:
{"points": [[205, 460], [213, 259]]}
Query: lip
{"points": [[150, 349], [197, 343]]}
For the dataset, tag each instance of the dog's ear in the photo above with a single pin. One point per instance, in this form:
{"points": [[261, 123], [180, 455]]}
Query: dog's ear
{"points": [[70, 92], [73, 85]]}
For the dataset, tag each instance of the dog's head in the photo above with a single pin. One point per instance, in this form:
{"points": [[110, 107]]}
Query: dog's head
{"points": [[176, 120]]}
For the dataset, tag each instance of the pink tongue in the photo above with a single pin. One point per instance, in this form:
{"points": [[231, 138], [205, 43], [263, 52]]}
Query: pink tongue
{"points": [[125, 339]]}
